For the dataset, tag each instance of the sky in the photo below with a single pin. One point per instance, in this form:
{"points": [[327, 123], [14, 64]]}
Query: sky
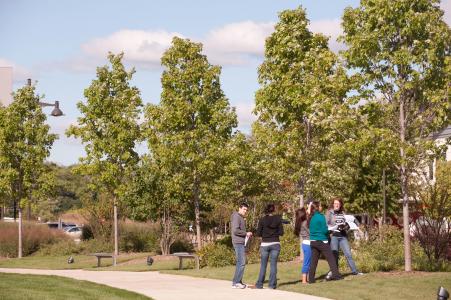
{"points": [[59, 44]]}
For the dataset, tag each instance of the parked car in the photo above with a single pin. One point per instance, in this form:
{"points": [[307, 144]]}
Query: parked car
{"points": [[74, 232]]}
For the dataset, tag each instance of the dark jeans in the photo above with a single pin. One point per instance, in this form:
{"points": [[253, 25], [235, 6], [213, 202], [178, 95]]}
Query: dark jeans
{"points": [[324, 248], [268, 252], [240, 263]]}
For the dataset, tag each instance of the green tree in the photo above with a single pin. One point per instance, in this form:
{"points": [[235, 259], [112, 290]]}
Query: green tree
{"points": [[193, 122], [399, 51], [109, 129], [160, 194], [302, 84], [25, 143]]}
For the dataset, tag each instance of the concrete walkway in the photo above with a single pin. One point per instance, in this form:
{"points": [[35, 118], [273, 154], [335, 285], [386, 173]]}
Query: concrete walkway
{"points": [[169, 287]]}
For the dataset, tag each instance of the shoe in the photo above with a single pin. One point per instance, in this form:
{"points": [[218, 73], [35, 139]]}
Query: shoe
{"points": [[334, 278], [238, 286], [357, 274], [329, 275]]}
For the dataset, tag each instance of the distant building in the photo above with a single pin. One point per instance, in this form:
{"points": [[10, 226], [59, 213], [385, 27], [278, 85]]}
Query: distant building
{"points": [[440, 139], [6, 85]]}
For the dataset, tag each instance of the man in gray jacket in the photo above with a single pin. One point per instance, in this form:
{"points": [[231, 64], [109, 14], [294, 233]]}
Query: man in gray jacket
{"points": [[239, 234]]}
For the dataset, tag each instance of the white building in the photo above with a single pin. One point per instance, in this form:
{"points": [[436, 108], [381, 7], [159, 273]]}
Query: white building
{"points": [[440, 139], [6, 85]]}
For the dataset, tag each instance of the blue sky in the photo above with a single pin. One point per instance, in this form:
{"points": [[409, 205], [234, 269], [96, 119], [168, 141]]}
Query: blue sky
{"points": [[59, 43]]}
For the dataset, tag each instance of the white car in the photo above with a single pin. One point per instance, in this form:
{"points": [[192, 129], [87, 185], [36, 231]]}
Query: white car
{"points": [[74, 232]]}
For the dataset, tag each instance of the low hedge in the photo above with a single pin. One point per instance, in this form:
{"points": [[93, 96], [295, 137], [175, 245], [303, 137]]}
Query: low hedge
{"points": [[34, 237]]}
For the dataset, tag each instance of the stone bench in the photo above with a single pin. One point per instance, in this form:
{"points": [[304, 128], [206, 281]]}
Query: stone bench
{"points": [[103, 255], [183, 255]]}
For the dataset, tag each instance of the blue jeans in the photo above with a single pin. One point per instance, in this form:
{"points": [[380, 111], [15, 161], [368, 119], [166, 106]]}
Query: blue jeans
{"points": [[272, 253], [336, 243], [240, 256], [307, 258]]}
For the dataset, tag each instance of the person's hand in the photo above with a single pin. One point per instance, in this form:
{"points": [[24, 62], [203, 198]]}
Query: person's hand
{"points": [[333, 228], [249, 234]]}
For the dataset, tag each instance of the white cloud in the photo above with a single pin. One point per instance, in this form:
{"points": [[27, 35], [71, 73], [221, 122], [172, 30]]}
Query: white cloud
{"points": [[245, 115], [235, 43], [140, 47], [330, 28], [20, 73], [446, 6]]}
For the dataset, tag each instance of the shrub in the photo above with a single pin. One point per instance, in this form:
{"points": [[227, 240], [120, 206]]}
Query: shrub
{"points": [[34, 237], [216, 255], [384, 251], [95, 245], [64, 247], [289, 244], [138, 237], [86, 233], [182, 244], [69, 247]]}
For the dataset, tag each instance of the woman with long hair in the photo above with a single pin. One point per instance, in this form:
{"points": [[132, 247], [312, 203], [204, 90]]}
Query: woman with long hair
{"points": [[269, 228], [319, 242], [301, 230], [339, 240]]}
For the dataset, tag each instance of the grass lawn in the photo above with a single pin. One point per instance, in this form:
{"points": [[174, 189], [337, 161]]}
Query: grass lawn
{"points": [[17, 286], [60, 262], [417, 285], [140, 265]]}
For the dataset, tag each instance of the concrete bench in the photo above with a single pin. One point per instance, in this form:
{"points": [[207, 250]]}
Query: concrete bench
{"points": [[104, 255], [182, 255]]}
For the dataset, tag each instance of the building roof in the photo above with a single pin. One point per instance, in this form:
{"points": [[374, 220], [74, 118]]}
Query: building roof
{"points": [[443, 134]]}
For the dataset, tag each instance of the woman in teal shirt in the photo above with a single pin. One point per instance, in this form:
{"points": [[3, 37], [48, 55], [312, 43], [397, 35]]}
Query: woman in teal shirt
{"points": [[319, 242]]}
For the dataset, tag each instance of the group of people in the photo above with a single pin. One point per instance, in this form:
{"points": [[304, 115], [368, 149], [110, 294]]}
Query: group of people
{"points": [[319, 234]]}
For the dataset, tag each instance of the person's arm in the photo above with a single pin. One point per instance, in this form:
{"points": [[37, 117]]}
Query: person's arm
{"points": [[259, 231], [325, 229], [280, 229], [236, 230], [331, 226]]}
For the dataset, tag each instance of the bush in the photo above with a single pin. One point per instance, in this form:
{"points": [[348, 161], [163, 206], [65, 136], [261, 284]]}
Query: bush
{"points": [[34, 237], [64, 247], [384, 251], [182, 244], [69, 247], [216, 255], [86, 233], [138, 237], [290, 245]]}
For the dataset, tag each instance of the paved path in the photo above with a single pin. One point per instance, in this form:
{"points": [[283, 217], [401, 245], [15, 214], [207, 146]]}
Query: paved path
{"points": [[169, 287]]}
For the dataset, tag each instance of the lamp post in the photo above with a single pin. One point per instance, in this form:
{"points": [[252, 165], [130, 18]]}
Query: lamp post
{"points": [[56, 112]]}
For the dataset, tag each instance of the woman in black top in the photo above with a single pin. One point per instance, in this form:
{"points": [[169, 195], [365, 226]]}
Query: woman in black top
{"points": [[269, 229]]}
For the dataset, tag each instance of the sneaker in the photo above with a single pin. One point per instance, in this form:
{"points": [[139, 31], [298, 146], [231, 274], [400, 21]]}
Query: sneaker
{"points": [[238, 286], [334, 278], [329, 275], [357, 274]]}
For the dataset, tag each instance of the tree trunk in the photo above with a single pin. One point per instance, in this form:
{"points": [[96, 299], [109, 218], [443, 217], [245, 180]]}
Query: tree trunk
{"points": [[197, 214], [301, 186], [404, 189], [384, 196], [116, 244], [15, 210], [167, 237], [28, 211], [19, 250]]}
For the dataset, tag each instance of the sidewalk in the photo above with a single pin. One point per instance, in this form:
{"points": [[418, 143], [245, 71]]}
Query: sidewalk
{"points": [[169, 287]]}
